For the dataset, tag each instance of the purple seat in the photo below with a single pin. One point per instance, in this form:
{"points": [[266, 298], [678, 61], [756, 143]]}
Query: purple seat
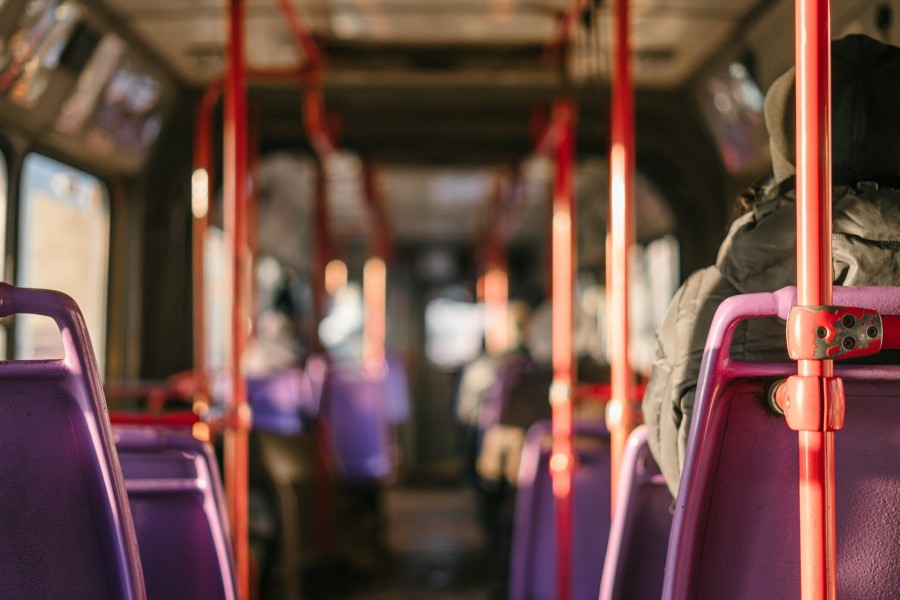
{"points": [[509, 374], [316, 374], [639, 534], [533, 561], [396, 390], [65, 525], [281, 400], [735, 533], [179, 513], [360, 434]]}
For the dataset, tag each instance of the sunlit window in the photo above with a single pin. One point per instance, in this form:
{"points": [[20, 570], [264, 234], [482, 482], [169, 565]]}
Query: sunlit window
{"points": [[217, 300], [36, 49], [63, 245], [454, 331], [656, 267], [733, 106]]}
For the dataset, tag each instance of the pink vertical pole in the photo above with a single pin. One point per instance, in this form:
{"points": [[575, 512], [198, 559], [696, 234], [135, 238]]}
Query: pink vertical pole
{"points": [[562, 459], [235, 187], [814, 287], [622, 414]]}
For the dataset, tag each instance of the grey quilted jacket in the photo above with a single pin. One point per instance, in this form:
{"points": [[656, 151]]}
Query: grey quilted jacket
{"points": [[758, 253]]}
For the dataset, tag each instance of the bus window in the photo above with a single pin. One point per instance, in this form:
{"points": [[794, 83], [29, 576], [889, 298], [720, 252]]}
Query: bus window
{"points": [[35, 50], [217, 299], [63, 245]]}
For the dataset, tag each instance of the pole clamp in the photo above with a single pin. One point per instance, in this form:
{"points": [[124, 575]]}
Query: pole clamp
{"points": [[811, 403], [240, 418], [833, 332]]}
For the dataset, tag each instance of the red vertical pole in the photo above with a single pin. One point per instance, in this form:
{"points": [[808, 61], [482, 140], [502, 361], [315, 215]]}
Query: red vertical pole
{"points": [[622, 415], [321, 253], [496, 295], [235, 187], [814, 287], [323, 529], [562, 459]]}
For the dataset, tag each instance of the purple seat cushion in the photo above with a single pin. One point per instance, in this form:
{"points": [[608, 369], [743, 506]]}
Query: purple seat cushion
{"points": [[396, 389], [360, 434], [280, 400], [178, 510], [533, 561], [639, 535]]}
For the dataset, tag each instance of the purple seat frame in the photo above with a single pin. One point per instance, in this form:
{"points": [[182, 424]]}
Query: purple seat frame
{"points": [[65, 524], [533, 560], [639, 534], [735, 533], [179, 513]]}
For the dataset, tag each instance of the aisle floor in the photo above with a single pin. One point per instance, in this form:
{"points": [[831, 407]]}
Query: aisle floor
{"points": [[437, 550]]}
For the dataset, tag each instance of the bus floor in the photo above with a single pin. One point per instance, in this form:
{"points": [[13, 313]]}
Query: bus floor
{"points": [[433, 548]]}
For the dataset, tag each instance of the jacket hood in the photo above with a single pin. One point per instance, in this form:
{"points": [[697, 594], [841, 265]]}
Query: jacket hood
{"points": [[865, 91]]}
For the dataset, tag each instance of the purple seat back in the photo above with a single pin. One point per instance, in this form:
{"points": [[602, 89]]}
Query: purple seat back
{"points": [[316, 374], [179, 513], [281, 400], [735, 533], [65, 525], [509, 374], [533, 561], [639, 534], [360, 433], [396, 389]]}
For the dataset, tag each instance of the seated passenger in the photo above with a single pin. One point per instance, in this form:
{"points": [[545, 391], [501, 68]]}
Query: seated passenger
{"points": [[758, 254]]}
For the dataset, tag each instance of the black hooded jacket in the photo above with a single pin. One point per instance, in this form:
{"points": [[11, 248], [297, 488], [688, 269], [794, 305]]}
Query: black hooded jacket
{"points": [[759, 252]]}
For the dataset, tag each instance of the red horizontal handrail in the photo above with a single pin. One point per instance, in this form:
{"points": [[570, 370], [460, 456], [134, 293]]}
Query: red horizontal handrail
{"points": [[175, 419]]}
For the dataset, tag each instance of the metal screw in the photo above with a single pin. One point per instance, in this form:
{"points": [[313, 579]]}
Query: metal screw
{"points": [[848, 321], [849, 343], [872, 332], [821, 332]]}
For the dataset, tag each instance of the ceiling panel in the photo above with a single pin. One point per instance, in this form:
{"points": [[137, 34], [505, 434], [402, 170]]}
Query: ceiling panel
{"points": [[435, 205], [671, 37]]}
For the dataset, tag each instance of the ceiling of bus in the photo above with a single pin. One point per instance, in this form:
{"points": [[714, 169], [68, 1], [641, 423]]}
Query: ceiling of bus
{"points": [[671, 37], [440, 93]]}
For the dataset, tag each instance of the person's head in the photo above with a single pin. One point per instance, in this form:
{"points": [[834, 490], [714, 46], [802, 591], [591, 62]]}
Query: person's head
{"points": [[865, 91]]}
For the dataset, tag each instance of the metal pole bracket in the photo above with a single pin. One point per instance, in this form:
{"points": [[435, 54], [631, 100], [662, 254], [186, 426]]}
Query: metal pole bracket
{"points": [[818, 409], [833, 332]]}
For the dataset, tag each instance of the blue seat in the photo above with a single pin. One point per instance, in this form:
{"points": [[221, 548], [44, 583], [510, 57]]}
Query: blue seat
{"points": [[179, 513], [64, 517], [639, 534], [533, 561], [736, 532]]}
